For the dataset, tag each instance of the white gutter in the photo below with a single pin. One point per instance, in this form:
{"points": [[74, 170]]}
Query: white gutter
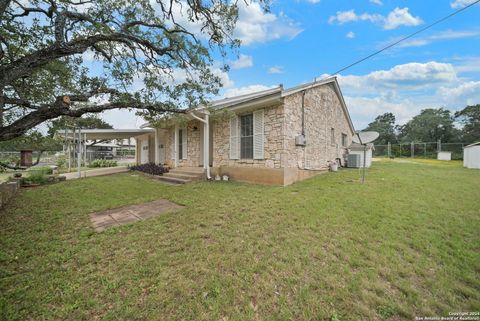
{"points": [[206, 141]]}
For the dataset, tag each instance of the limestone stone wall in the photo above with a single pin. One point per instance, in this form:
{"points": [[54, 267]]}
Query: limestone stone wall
{"points": [[273, 125], [193, 145], [323, 111]]}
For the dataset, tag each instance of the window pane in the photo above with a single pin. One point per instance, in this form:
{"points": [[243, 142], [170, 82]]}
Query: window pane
{"points": [[246, 147], [246, 136]]}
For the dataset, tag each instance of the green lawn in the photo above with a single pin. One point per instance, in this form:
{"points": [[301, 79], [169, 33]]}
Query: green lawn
{"points": [[405, 244]]}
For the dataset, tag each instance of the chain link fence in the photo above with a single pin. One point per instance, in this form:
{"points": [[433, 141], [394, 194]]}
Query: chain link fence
{"points": [[426, 150]]}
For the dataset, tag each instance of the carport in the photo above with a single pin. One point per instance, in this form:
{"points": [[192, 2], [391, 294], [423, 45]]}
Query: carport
{"points": [[75, 142]]}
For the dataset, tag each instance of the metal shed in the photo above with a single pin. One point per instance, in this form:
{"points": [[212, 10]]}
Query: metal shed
{"points": [[471, 156]]}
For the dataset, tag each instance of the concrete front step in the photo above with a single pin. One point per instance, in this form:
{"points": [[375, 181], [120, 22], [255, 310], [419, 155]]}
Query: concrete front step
{"points": [[183, 175], [173, 180]]}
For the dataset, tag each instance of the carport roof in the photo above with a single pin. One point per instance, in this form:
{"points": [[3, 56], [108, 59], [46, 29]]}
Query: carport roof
{"points": [[107, 134]]}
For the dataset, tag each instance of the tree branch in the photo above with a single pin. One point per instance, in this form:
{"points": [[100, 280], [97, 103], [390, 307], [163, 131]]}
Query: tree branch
{"points": [[61, 107]]}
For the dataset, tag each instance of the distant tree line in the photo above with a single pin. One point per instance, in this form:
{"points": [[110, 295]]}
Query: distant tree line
{"points": [[430, 125]]}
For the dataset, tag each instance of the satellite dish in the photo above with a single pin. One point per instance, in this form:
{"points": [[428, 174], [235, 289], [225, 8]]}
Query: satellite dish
{"points": [[365, 137]]}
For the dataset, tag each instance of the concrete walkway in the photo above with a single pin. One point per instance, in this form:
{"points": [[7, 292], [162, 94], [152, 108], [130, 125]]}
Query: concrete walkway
{"points": [[97, 172], [132, 213]]}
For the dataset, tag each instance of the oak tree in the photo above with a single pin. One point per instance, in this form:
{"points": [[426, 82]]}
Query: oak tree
{"points": [[72, 57]]}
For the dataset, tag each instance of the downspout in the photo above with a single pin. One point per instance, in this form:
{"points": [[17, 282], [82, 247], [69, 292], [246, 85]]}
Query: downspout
{"points": [[206, 143], [303, 112], [303, 131]]}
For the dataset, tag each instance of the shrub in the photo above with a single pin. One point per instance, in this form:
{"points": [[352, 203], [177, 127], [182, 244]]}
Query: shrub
{"points": [[150, 168], [103, 163], [45, 170], [35, 177], [61, 161]]}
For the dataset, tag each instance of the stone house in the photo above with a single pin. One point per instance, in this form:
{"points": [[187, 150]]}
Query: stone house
{"points": [[275, 136]]}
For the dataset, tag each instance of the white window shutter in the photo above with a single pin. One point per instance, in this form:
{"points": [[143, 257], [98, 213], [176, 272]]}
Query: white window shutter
{"points": [[184, 142], [258, 134], [234, 138]]}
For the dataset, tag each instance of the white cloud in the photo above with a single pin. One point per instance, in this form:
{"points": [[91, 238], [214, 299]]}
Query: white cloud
{"points": [[243, 61], [232, 92], [440, 36], [401, 17], [255, 25], [365, 109], [275, 70], [406, 89], [457, 4], [412, 76], [350, 35], [467, 93], [343, 17], [377, 2], [467, 64], [313, 1], [396, 18]]}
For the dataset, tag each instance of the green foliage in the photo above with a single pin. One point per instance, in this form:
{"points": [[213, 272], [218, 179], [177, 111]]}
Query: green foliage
{"points": [[37, 176], [129, 40], [85, 122], [32, 141], [103, 163], [385, 126], [469, 117], [403, 244], [430, 125], [46, 170], [62, 161]]}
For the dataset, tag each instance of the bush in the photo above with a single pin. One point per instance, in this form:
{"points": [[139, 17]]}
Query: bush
{"points": [[103, 163], [61, 161], [150, 168], [45, 170], [35, 177]]}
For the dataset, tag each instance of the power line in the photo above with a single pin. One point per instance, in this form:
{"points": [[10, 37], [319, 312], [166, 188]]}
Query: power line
{"points": [[407, 37]]}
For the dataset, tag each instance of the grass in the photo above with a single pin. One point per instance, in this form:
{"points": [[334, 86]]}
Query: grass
{"points": [[405, 244]]}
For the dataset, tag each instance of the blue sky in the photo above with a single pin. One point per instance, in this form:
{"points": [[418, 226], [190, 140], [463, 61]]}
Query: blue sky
{"points": [[303, 39]]}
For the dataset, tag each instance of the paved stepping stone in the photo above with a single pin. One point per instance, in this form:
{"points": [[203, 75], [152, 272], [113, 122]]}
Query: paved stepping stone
{"points": [[132, 213]]}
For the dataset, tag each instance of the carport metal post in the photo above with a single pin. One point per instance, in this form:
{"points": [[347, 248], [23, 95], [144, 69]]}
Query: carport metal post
{"points": [[157, 156], [79, 151]]}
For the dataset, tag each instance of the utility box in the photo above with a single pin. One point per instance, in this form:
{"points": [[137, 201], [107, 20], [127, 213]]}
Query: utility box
{"points": [[300, 140], [353, 160], [446, 156], [26, 158]]}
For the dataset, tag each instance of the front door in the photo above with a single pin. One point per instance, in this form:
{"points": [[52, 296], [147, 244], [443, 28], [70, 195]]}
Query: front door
{"points": [[144, 151], [161, 152]]}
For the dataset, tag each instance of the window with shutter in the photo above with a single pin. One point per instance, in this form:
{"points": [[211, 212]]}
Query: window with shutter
{"points": [[258, 134], [234, 148]]}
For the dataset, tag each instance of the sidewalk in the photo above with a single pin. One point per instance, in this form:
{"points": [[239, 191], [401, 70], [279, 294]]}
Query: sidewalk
{"points": [[97, 172]]}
